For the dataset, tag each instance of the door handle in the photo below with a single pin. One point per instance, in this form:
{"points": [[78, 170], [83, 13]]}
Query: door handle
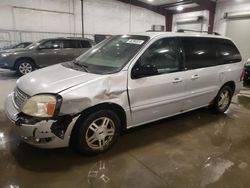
{"points": [[195, 77], [177, 80]]}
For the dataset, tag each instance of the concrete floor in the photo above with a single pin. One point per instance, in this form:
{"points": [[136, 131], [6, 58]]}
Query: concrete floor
{"points": [[197, 149]]}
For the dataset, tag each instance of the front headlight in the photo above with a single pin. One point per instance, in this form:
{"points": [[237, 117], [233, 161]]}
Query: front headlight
{"points": [[40, 106], [5, 55]]}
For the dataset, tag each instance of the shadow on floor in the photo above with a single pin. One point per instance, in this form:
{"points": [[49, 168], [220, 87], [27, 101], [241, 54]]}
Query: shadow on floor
{"points": [[50, 160], [7, 74]]}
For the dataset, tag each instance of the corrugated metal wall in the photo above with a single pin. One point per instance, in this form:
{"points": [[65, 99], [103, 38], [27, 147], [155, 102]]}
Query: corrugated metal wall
{"points": [[10, 37]]}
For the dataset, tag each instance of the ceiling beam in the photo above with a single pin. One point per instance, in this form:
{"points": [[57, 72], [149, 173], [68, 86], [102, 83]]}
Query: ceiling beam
{"points": [[176, 4], [153, 8], [206, 4]]}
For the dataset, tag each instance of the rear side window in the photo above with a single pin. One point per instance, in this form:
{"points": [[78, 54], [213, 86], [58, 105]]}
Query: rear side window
{"points": [[71, 44], [85, 44], [227, 52], [199, 52]]}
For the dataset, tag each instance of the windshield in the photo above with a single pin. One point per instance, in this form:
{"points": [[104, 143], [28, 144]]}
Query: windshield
{"points": [[34, 44], [111, 55]]}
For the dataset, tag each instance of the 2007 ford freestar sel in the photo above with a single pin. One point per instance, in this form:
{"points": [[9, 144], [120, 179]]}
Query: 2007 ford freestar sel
{"points": [[123, 82]]}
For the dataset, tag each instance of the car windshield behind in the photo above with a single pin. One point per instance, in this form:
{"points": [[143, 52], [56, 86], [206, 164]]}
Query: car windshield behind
{"points": [[111, 55], [34, 44]]}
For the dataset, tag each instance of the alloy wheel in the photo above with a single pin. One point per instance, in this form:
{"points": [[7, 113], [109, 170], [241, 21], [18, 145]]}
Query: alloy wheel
{"points": [[224, 99], [25, 68], [100, 133]]}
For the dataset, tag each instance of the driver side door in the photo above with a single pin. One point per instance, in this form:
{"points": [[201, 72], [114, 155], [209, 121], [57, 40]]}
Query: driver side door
{"points": [[48, 53], [161, 94]]}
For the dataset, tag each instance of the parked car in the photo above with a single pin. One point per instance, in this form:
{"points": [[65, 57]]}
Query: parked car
{"points": [[247, 71], [43, 53], [124, 82], [19, 45]]}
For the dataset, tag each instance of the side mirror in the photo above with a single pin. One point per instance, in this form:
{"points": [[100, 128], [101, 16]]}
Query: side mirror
{"points": [[143, 71]]}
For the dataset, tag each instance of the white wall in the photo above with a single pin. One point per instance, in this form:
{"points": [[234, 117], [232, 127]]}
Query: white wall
{"points": [[101, 17], [224, 6]]}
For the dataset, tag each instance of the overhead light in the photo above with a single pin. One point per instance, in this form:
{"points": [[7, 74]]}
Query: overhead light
{"points": [[150, 0], [179, 8]]}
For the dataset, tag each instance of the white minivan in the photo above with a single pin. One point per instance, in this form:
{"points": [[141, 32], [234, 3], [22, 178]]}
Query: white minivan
{"points": [[123, 82]]}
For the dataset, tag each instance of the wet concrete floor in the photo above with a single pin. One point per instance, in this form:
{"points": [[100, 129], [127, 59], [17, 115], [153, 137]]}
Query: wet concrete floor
{"points": [[196, 149]]}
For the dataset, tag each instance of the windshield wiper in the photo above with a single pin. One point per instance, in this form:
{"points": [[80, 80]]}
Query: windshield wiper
{"points": [[85, 67]]}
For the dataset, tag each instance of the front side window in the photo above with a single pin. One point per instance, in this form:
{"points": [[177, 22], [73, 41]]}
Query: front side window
{"points": [[51, 44], [161, 57], [112, 54], [35, 44], [199, 52]]}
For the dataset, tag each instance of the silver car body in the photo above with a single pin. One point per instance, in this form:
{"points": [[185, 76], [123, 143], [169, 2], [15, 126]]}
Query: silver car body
{"points": [[142, 100]]}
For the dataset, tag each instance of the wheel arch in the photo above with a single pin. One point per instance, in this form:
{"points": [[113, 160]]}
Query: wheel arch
{"points": [[23, 58], [108, 106], [230, 84], [103, 106]]}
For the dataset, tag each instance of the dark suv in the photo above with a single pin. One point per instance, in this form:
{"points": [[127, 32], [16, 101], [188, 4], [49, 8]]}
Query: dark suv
{"points": [[247, 71], [43, 53]]}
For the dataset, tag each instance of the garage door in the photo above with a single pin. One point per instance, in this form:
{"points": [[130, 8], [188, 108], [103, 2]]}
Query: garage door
{"points": [[197, 26], [238, 30]]}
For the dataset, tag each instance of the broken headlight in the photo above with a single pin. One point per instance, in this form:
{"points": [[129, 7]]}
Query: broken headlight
{"points": [[41, 106]]}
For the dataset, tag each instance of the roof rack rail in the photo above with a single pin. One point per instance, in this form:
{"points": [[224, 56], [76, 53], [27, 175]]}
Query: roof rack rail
{"points": [[153, 31], [184, 30]]}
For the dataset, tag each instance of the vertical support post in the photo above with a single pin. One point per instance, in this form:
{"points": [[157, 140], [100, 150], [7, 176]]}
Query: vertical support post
{"points": [[211, 21], [169, 21], [82, 19], [130, 16]]}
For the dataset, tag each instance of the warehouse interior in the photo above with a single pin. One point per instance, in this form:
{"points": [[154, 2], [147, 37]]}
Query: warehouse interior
{"points": [[193, 149]]}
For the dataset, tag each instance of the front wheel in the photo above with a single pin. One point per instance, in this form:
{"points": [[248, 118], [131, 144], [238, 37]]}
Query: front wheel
{"points": [[24, 66], [223, 99], [97, 132]]}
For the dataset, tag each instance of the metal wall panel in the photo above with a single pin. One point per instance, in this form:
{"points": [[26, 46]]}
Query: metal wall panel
{"points": [[238, 30]]}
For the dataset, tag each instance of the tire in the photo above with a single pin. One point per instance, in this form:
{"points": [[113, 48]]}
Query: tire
{"points": [[90, 135], [221, 105], [24, 66]]}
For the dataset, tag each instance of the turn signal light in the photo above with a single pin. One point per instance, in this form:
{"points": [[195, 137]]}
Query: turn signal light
{"points": [[51, 108]]}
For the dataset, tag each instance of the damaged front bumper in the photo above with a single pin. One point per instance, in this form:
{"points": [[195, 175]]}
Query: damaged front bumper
{"points": [[40, 133]]}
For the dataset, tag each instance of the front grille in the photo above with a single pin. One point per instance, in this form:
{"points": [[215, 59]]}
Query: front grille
{"points": [[19, 97]]}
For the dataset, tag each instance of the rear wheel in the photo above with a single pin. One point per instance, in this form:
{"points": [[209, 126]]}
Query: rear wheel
{"points": [[223, 99], [97, 132], [24, 66]]}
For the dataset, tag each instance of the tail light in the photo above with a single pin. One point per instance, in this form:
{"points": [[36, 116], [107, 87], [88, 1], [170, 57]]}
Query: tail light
{"points": [[243, 74]]}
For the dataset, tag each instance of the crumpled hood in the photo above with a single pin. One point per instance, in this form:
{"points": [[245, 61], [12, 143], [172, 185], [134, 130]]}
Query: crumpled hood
{"points": [[53, 79]]}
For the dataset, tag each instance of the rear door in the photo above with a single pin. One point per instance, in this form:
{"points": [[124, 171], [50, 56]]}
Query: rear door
{"points": [[85, 45], [202, 72], [74, 48], [161, 94], [70, 49]]}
